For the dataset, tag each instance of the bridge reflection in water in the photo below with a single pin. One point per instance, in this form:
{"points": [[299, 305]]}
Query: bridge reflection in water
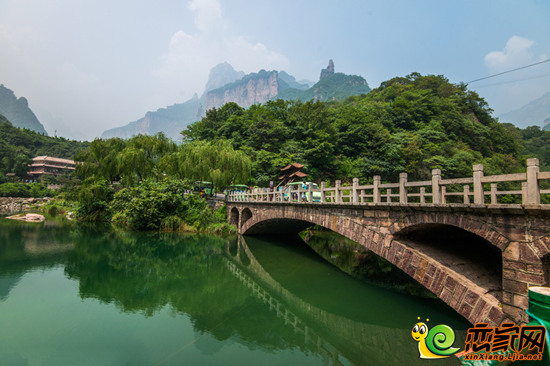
{"points": [[357, 338], [511, 230]]}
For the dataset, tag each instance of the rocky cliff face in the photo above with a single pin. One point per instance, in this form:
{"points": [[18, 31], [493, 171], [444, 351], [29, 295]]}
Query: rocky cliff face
{"points": [[17, 111], [252, 89]]}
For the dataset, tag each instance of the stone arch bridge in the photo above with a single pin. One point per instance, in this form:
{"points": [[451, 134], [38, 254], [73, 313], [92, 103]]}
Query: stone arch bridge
{"points": [[498, 250]]}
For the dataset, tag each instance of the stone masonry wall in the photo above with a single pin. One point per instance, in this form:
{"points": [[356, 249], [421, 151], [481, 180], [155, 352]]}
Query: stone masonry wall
{"points": [[15, 205]]}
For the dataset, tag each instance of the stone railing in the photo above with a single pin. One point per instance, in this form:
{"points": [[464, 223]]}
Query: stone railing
{"points": [[466, 191]]}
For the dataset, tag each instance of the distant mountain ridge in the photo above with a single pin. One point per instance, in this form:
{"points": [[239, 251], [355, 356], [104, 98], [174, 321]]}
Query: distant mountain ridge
{"points": [[227, 85], [170, 120], [17, 111], [535, 113], [173, 119]]}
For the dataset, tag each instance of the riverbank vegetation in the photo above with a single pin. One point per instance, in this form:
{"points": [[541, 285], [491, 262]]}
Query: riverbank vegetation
{"points": [[154, 180], [36, 190]]}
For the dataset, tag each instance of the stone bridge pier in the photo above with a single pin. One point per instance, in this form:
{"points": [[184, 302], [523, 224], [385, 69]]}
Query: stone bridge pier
{"points": [[479, 260]]}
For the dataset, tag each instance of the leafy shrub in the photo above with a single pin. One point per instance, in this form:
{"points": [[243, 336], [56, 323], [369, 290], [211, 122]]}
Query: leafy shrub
{"points": [[165, 205], [25, 190], [171, 223], [145, 206], [93, 201]]}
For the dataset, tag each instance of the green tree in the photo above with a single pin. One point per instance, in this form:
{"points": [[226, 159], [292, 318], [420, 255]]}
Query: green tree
{"points": [[215, 162], [93, 201]]}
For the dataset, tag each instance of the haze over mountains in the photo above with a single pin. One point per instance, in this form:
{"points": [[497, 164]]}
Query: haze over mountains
{"points": [[535, 113], [227, 85]]}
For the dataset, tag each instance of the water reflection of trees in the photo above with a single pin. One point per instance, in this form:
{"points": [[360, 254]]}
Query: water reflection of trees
{"points": [[144, 272]]}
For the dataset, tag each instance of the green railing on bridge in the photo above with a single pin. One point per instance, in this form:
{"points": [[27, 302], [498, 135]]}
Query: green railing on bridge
{"points": [[510, 189]]}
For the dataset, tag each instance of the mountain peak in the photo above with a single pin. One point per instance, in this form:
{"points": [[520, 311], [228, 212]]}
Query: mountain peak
{"points": [[17, 111], [328, 71], [220, 75]]}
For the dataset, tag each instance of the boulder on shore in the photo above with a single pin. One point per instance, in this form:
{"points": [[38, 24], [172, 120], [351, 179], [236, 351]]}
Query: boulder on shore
{"points": [[28, 217]]}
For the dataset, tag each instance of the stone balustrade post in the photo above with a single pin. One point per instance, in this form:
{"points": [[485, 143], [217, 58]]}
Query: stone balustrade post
{"points": [[443, 194], [402, 188], [354, 192], [376, 189], [436, 187], [422, 195], [289, 193], [467, 194], [494, 200], [337, 197], [479, 194], [323, 194], [533, 190], [309, 193], [388, 195]]}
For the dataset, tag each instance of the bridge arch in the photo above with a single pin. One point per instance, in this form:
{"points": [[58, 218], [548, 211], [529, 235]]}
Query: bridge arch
{"points": [[469, 224], [234, 216], [476, 258], [377, 233], [246, 215]]}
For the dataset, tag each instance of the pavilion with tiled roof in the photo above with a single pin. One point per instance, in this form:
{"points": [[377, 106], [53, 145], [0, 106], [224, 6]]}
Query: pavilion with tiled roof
{"points": [[291, 173]]}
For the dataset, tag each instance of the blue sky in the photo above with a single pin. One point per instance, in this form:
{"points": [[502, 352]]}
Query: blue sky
{"points": [[89, 65]]}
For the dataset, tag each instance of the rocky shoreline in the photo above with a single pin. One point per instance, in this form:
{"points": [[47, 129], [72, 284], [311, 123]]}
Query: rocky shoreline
{"points": [[15, 205]]}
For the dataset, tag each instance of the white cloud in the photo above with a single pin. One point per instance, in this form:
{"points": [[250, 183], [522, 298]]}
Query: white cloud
{"points": [[208, 14], [190, 55], [516, 53], [513, 90]]}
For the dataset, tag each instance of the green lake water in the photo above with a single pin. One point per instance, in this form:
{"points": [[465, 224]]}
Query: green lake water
{"points": [[73, 295]]}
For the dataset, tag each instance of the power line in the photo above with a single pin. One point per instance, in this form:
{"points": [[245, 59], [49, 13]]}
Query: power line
{"points": [[506, 72], [513, 81]]}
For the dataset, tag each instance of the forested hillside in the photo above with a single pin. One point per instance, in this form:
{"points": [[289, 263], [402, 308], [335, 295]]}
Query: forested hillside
{"points": [[18, 146], [331, 87], [409, 124]]}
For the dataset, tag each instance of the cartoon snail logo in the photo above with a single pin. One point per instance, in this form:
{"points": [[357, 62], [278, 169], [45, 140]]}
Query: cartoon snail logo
{"points": [[436, 342]]}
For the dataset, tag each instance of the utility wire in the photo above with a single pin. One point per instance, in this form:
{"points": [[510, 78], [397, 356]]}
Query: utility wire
{"points": [[513, 81], [505, 72]]}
